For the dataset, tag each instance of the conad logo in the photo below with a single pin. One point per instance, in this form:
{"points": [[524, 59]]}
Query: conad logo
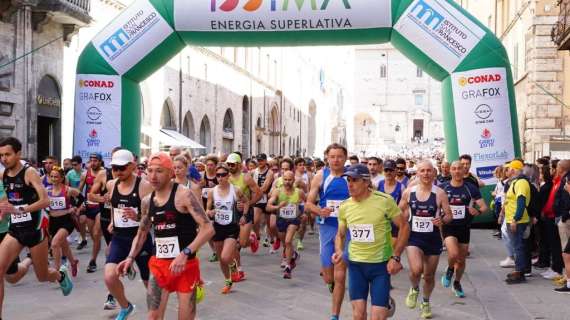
{"points": [[463, 81], [96, 84]]}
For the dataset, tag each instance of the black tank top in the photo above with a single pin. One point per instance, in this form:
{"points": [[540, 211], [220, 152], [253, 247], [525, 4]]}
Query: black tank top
{"points": [[119, 201], [210, 183], [169, 222], [421, 214], [261, 177], [21, 194]]}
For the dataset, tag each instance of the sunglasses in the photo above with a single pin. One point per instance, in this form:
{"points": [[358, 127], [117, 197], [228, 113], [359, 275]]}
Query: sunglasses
{"points": [[232, 164], [400, 168], [119, 168], [221, 174]]}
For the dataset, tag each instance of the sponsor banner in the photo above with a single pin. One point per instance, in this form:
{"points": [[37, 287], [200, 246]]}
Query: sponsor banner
{"points": [[280, 15], [442, 32], [483, 119], [131, 36], [97, 115]]}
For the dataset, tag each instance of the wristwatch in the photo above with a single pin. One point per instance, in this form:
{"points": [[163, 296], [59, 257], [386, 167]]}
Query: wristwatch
{"points": [[395, 258], [187, 251]]}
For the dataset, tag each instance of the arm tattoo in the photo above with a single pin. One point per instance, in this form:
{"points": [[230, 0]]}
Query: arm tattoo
{"points": [[145, 223], [197, 208]]}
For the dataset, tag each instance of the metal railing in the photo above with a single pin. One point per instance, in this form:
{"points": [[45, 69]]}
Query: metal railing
{"points": [[562, 26]]}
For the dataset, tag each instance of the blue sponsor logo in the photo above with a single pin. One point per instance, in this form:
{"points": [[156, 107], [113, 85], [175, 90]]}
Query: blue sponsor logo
{"points": [[128, 34], [486, 172], [428, 15]]}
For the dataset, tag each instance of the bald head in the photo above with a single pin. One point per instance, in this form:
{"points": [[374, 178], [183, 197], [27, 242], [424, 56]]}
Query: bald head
{"points": [[425, 172], [288, 179], [562, 167]]}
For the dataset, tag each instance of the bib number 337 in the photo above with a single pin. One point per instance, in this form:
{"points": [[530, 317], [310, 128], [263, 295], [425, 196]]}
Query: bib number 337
{"points": [[167, 248]]}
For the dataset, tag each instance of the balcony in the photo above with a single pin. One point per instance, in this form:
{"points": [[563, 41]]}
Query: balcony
{"points": [[66, 12], [561, 30]]}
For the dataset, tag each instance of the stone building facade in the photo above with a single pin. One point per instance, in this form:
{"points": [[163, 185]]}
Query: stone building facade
{"points": [[397, 105], [33, 35]]}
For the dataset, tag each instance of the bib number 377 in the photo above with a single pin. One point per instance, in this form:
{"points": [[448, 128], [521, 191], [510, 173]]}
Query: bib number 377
{"points": [[361, 233], [167, 248]]}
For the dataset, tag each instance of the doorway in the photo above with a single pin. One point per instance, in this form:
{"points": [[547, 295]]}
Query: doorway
{"points": [[418, 129]]}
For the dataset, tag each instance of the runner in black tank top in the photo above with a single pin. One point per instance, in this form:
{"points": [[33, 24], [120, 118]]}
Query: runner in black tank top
{"points": [[125, 198], [175, 213], [105, 216], [26, 198], [426, 207]]}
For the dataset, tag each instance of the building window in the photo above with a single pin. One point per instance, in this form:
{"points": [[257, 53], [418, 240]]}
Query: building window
{"points": [[419, 99], [419, 72], [383, 71]]}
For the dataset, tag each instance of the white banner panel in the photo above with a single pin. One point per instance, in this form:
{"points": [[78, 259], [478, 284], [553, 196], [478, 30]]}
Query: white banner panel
{"points": [[97, 115], [131, 36], [483, 119], [440, 31], [284, 15]]}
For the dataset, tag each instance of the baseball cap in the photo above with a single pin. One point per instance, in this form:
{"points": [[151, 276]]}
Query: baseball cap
{"points": [[162, 159], [122, 157], [516, 165], [390, 165], [357, 171], [261, 156], [96, 155], [234, 158]]}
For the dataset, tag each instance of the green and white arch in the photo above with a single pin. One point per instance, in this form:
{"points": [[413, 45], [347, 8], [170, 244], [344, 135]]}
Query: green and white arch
{"points": [[437, 35]]}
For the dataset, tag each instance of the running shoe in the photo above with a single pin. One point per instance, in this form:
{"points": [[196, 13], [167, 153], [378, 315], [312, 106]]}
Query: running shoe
{"points": [[458, 290], [296, 257], [446, 278], [65, 283], [227, 287], [254, 243], [82, 245], [126, 312], [277, 244], [238, 276], [110, 304], [550, 274], [131, 273], [74, 265], [391, 307], [287, 273], [92, 267], [563, 289], [266, 243], [300, 245], [412, 298], [425, 310], [213, 257], [507, 263], [559, 281]]}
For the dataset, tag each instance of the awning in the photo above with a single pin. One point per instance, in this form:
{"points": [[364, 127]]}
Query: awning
{"points": [[174, 138]]}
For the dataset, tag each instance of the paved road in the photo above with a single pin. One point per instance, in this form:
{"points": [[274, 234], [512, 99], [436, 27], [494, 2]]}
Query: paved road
{"points": [[265, 295]]}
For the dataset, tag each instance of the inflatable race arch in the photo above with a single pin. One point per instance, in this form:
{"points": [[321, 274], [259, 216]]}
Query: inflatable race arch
{"points": [[438, 35]]}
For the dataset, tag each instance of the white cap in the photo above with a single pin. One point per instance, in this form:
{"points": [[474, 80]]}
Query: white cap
{"points": [[122, 157]]}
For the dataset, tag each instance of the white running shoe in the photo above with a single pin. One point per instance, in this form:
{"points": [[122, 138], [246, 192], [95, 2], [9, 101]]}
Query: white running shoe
{"points": [[507, 263], [550, 274]]}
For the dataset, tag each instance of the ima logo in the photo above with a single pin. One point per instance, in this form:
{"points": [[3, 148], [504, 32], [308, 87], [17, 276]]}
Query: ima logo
{"points": [[93, 134], [428, 15], [463, 81], [254, 5]]}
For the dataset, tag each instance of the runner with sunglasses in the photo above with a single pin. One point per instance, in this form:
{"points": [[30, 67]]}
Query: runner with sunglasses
{"points": [[245, 183], [125, 194], [60, 217], [222, 209]]}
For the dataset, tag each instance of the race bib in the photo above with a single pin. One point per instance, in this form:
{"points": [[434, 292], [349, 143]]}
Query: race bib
{"points": [[458, 212], [205, 192], [120, 221], [223, 217], [422, 224], [20, 217], [288, 212], [167, 248], [334, 205], [57, 203], [361, 233]]}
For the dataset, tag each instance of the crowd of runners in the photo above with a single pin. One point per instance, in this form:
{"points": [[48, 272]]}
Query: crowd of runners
{"points": [[153, 216]]}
